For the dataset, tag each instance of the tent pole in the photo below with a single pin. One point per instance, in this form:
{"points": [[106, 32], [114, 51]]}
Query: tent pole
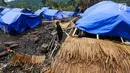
{"points": [[122, 40], [74, 31], [52, 18], [4, 29], [70, 33], [97, 36]]}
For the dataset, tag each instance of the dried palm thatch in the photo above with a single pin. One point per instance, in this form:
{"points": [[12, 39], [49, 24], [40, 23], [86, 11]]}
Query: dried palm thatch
{"points": [[27, 59], [87, 55]]}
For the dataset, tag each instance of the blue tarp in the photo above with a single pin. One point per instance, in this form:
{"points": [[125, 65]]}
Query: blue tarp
{"points": [[17, 9], [80, 14], [17, 22], [56, 14], [40, 11], [5, 10], [23, 10], [106, 18], [68, 13]]}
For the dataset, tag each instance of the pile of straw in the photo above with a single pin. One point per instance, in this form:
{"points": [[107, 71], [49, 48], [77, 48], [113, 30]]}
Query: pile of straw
{"points": [[86, 55], [27, 59]]}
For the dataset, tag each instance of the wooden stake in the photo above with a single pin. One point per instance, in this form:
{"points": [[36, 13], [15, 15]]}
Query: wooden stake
{"points": [[74, 31], [52, 18], [97, 36], [4, 29], [71, 31], [122, 40]]}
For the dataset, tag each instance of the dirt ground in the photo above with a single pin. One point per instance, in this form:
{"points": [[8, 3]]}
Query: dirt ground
{"points": [[26, 45]]}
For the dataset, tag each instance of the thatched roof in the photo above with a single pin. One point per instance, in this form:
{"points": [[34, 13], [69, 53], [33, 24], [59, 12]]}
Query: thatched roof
{"points": [[86, 55]]}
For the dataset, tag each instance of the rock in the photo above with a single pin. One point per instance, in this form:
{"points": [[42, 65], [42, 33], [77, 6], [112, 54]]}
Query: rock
{"points": [[35, 32], [36, 39], [43, 48], [13, 45], [44, 45], [9, 43]]}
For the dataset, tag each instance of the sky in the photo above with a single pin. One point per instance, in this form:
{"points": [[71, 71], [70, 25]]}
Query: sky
{"points": [[8, 0]]}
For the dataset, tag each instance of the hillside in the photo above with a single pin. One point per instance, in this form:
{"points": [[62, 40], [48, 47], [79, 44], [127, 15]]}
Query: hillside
{"points": [[33, 2]]}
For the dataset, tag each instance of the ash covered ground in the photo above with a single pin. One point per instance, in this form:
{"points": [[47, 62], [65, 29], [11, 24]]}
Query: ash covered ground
{"points": [[26, 45]]}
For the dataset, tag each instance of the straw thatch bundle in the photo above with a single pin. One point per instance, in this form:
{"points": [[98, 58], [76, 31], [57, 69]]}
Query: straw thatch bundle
{"points": [[86, 55], [27, 59]]}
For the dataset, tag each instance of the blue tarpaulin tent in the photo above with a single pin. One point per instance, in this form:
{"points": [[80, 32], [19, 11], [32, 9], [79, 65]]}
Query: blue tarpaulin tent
{"points": [[40, 11], [17, 9], [106, 18], [17, 22], [68, 13], [5, 10], [56, 14], [50, 13], [23, 10]]}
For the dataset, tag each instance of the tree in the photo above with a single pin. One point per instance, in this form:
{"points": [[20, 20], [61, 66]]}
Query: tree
{"points": [[2, 2], [47, 2], [86, 3]]}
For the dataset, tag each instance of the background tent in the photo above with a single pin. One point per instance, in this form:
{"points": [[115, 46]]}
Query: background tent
{"points": [[68, 13], [106, 18], [17, 22], [56, 14], [5, 10], [23, 10], [50, 13], [40, 11], [1, 8]]}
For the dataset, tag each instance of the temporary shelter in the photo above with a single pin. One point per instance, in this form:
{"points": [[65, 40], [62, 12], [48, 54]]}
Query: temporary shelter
{"points": [[5, 10], [89, 55], [106, 18], [17, 22], [23, 10], [40, 11]]}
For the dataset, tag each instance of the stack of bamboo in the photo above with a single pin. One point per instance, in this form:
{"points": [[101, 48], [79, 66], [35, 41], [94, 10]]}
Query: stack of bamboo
{"points": [[86, 55], [27, 59]]}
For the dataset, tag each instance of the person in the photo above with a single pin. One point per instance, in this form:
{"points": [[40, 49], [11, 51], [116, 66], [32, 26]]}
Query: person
{"points": [[77, 9], [59, 31]]}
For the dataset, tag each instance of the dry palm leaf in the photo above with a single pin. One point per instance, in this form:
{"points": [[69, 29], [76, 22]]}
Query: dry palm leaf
{"points": [[87, 55], [27, 59]]}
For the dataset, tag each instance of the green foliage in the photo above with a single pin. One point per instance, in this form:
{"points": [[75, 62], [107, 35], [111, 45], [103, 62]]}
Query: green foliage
{"points": [[21, 5], [28, 5], [3, 3]]}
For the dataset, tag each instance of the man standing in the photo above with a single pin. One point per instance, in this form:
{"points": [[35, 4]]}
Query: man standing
{"points": [[59, 31]]}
